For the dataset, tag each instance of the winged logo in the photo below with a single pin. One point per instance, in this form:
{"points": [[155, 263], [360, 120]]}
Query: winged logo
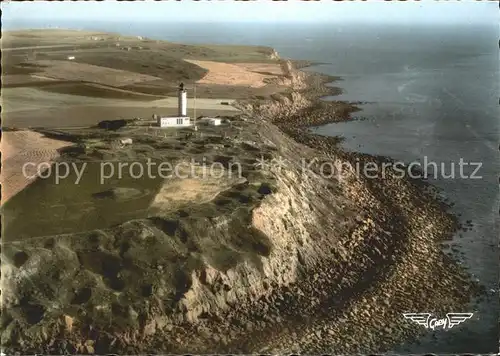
{"points": [[457, 318], [425, 319], [419, 318]]}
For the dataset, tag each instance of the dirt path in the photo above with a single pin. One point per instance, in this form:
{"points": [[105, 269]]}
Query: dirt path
{"points": [[36, 47]]}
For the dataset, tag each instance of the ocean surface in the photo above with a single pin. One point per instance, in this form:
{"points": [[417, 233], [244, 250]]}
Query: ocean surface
{"points": [[430, 94]]}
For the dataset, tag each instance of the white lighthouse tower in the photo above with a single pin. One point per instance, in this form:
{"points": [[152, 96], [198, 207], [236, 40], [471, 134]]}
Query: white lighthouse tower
{"points": [[182, 100], [181, 120]]}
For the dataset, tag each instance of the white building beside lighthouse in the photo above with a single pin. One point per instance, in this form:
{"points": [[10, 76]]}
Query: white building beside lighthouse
{"points": [[182, 120]]}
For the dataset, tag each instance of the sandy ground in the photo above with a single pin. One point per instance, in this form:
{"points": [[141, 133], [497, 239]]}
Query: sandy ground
{"points": [[247, 74], [73, 71], [18, 148], [199, 187], [264, 68]]}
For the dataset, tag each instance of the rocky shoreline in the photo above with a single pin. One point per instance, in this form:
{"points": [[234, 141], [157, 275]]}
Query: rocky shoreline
{"points": [[334, 262], [401, 265]]}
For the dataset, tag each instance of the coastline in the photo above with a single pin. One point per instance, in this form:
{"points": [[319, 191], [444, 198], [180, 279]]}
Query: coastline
{"points": [[421, 196], [385, 258]]}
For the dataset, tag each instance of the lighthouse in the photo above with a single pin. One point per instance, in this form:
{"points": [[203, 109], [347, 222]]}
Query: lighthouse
{"points": [[181, 120], [182, 95]]}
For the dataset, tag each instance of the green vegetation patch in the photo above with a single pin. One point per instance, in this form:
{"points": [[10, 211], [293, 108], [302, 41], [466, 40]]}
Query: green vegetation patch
{"points": [[90, 90], [156, 63]]}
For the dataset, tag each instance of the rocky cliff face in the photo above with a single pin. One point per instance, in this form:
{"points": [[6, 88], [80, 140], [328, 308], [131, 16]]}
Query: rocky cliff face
{"points": [[281, 105], [274, 55], [299, 106]]}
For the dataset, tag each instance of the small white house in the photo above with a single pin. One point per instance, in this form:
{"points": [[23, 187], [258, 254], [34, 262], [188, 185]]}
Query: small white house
{"points": [[126, 141], [176, 121], [213, 121]]}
